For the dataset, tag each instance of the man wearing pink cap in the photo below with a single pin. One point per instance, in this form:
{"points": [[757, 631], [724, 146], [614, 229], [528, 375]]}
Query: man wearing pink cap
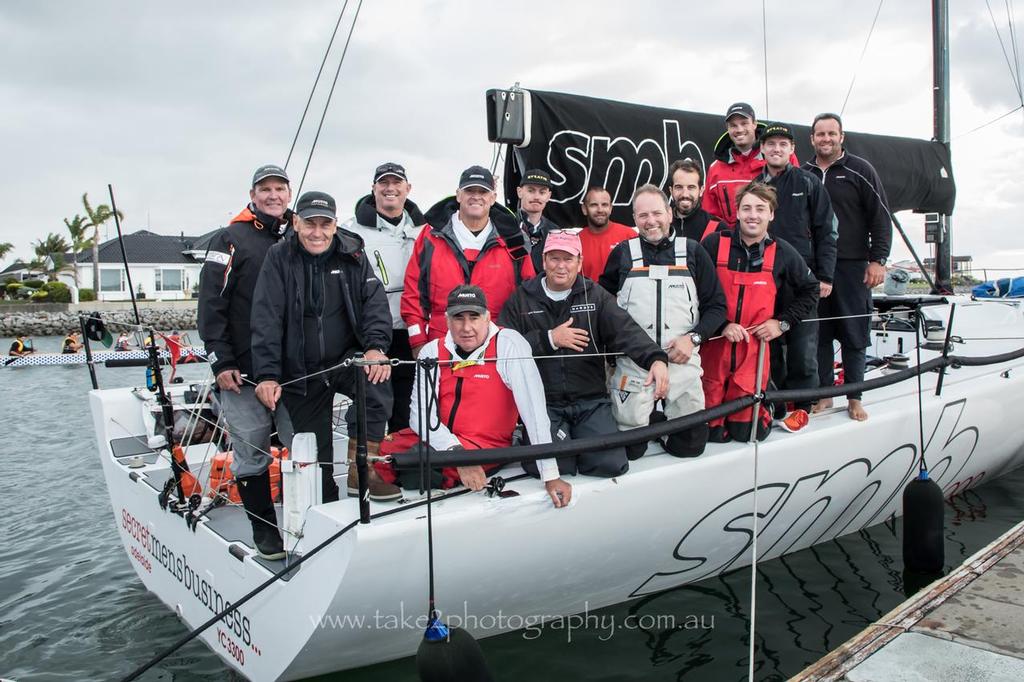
{"points": [[569, 322]]}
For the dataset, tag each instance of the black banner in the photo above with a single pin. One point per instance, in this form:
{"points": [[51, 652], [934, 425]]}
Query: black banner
{"points": [[584, 141]]}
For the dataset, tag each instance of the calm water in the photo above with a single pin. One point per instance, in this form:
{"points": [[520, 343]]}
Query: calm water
{"points": [[72, 608]]}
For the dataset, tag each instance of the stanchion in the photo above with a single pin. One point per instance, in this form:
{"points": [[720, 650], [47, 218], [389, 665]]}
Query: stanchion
{"points": [[362, 467]]}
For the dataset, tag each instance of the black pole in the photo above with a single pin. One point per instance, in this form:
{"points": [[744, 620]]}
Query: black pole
{"points": [[361, 465], [945, 348], [88, 353], [124, 256], [168, 413], [940, 104]]}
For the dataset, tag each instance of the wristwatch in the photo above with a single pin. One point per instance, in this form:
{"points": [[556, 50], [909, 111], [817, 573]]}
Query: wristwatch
{"points": [[784, 326], [696, 338], [880, 261]]}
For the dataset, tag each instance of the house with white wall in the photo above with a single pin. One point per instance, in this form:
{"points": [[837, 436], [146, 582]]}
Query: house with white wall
{"points": [[162, 267]]}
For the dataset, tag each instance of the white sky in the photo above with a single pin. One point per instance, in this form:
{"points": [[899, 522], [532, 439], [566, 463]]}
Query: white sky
{"points": [[176, 103]]}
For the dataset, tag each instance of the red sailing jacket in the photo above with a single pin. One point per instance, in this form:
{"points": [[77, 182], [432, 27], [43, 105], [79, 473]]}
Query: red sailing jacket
{"points": [[439, 264], [729, 173]]}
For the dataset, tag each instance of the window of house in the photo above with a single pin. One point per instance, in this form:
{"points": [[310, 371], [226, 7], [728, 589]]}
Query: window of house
{"points": [[111, 280], [169, 280]]}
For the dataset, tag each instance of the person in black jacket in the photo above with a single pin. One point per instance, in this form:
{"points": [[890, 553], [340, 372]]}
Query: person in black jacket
{"points": [[803, 218], [226, 285], [317, 303], [865, 237], [534, 193], [686, 178], [562, 314]]}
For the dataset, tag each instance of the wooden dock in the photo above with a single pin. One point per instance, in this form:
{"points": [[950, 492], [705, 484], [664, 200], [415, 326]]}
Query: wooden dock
{"points": [[968, 625]]}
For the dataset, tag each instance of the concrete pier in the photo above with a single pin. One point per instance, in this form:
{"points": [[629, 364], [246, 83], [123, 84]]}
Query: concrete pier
{"points": [[968, 625]]}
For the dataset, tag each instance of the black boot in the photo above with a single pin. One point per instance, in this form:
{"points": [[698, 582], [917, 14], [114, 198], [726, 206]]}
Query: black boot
{"points": [[255, 494]]}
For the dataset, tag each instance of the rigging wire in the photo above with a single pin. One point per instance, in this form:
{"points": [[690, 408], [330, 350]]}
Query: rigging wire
{"points": [[327, 104], [316, 82], [1013, 74], [861, 59], [995, 120], [1013, 42], [764, 50]]}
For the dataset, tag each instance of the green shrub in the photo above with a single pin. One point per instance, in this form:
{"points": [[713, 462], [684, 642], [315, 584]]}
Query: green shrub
{"points": [[40, 296], [12, 288], [85, 295], [33, 283], [58, 292]]}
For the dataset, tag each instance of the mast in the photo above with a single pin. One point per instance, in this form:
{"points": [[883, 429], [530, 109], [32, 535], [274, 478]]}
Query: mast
{"points": [[940, 103]]}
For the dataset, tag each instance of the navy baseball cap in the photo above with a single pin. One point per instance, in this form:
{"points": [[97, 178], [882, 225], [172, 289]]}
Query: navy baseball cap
{"points": [[741, 109], [269, 171], [476, 176], [316, 205]]}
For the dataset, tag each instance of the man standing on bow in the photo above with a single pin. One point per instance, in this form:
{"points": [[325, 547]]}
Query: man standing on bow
{"points": [[865, 237], [389, 223], [805, 220], [668, 285], [226, 286], [317, 303]]}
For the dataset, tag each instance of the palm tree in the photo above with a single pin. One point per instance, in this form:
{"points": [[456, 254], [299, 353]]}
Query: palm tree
{"points": [[78, 227], [54, 246], [5, 248], [97, 217]]}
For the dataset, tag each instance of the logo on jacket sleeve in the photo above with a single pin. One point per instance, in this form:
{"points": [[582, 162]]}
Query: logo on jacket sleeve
{"points": [[583, 308]]}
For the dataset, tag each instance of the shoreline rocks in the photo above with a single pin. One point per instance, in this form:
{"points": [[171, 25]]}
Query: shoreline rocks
{"points": [[45, 323]]}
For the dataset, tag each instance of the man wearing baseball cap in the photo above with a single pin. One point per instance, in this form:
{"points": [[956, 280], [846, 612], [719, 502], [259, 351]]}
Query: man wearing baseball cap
{"points": [[561, 313], [389, 223], [318, 303], [470, 240], [738, 160], [480, 364], [534, 193], [226, 286], [805, 220]]}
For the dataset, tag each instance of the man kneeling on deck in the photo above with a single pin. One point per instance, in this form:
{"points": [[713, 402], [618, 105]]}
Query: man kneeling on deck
{"points": [[487, 380], [667, 283], [751, 268], [569, 323]]}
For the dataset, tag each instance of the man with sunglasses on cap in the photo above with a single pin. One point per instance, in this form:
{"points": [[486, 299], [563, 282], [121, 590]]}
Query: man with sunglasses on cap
{"points": [[534, 193], [486, 382], [318, 303], [805, 220], [389, 222], [469, 240], [738, 160], [570, 323], [668, 285], [226, 286], [752, 267]]}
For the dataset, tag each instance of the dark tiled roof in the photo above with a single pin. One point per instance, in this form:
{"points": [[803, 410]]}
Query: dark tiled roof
{"points": [[14, 267], [144, 247], [202, 242]]}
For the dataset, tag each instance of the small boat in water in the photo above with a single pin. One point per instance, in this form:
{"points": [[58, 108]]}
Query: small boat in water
{"points": [[134, 357]]}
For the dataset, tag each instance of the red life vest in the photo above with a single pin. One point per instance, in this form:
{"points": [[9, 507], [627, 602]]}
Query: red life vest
{"points": [[473, 400], [749, 296]]}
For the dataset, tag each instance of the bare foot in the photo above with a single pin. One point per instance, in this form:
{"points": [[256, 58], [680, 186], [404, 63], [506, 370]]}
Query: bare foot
{"points": [[856, 410], [822, 405]]}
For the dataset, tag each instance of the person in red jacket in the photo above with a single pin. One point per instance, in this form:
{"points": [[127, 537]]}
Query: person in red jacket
{"points": [[600, 235], [468, 240], [738, 160]]}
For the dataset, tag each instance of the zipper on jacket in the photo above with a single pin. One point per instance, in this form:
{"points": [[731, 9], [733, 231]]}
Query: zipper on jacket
{"points": [[657, 312], [455, 403]]}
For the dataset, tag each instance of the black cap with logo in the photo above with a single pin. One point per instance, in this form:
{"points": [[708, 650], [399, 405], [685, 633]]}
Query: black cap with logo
{"points": [[466, 298], [536, 177], [777, 130], [390, 168], [268, 171], [741, 109], [476, 176], [316, 205]]}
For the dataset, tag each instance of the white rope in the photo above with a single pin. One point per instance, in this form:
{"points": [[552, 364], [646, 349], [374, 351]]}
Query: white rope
{"points": [[755, 418]]}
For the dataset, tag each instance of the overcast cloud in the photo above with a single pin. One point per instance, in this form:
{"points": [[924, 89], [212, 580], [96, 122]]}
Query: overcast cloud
{"points": [[176, 103]]}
